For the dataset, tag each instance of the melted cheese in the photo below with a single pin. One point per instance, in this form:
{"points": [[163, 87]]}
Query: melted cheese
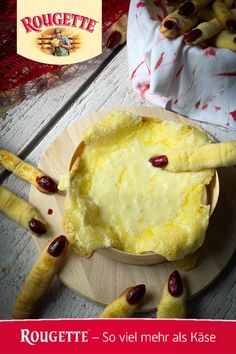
{"points": [[115, 197]]}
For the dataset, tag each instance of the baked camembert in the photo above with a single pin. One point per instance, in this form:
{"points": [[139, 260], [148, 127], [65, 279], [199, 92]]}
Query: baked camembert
{"points": [[115, 197]]}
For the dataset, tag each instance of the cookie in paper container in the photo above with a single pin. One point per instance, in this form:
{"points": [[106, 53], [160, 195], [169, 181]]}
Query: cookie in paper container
{"points": [[118, 202], [169, 73]]}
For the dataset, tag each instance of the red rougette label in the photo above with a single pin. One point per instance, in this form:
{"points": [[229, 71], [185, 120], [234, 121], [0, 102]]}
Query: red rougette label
{"points": [[131, 336]]}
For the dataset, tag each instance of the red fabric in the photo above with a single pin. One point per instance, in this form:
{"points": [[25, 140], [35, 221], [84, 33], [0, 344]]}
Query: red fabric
{"points": [[16, 70], [112, 10]]}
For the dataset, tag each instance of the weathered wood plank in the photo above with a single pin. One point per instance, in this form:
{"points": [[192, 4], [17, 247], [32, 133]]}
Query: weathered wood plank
{"points": [[24, 121]]}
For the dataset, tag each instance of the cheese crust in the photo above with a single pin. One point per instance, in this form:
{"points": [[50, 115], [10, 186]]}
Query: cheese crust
{"points": [[115, 197]]}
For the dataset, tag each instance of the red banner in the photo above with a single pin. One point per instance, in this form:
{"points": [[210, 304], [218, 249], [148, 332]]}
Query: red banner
{"points": [[92, 336]]}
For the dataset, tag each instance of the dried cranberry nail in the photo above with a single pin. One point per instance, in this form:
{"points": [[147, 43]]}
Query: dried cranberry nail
{"points": [[192, 35], [187, 9], [231, 25], [135, 294], [47, 184], [113, 40], [37, 227], [159, 161], [57, 246], [170, 24], [175, 285]]}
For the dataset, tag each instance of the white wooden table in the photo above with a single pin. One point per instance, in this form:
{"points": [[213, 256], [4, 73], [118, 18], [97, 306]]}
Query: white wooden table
{"points": [[27, 130]]}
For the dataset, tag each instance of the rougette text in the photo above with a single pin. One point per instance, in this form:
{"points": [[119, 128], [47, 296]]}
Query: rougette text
{"points": [[36, 23]]}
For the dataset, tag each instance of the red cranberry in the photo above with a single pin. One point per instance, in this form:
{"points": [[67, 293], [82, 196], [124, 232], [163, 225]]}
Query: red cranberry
{"points": [[113, 40], [135, 294], [175, 285], [187, 9], [231, 25], [50, 211], [57, 246], [159, 161], [47, 184], [193, 35], [37, 227]]}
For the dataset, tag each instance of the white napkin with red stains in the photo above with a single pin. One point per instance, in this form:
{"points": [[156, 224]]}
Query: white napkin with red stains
{"points": [[198, 83]]}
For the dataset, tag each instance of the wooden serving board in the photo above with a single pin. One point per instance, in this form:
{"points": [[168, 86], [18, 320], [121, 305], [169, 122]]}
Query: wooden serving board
{"points": [[101, 279]]}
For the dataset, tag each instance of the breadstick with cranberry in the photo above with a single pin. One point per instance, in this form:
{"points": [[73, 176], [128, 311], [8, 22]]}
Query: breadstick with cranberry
{"points": [[224, 15], [117, 32], [27, 172], [197, 159], [126, 304], [174, 24], [40, 277], [203, 31], [226, 40], [173, 300], [22, 212], [190, 8]]}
